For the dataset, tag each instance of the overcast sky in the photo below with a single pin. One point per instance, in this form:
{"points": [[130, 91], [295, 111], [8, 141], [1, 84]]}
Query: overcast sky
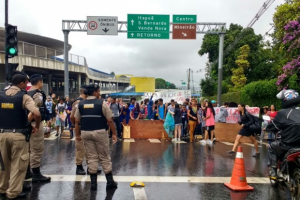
{"points": [[168, 59]]}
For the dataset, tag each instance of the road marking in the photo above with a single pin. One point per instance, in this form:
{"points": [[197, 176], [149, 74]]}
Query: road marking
{"points": [[155, 179], [154, 141], [139, 194], [129, 140], [227, 143]]}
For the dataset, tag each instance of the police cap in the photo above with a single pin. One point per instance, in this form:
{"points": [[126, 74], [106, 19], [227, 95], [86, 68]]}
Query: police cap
{"points": [[92, 88], [83, 86], [19, 73], [39, 76]]}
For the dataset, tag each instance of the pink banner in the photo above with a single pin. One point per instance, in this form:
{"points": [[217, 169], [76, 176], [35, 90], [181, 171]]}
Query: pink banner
{"points": [[234, 115]]}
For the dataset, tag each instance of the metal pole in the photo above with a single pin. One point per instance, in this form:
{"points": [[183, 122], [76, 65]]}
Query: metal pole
{"points": [[189, 73], [6, 58], [220, 69], [66, 60]]}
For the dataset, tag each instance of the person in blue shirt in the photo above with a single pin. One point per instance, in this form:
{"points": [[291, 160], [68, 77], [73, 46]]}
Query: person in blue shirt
{"points": [[132, 103], [125, 115], [161, 109], [49, 105]]}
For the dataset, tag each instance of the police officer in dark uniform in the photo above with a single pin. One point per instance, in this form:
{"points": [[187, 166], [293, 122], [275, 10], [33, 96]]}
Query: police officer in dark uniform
{"points": [[94, 115], [14, 134]]}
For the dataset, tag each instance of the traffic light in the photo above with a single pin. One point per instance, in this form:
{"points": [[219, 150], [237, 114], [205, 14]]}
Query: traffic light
{"points": [[11, 68], [11, 48]]}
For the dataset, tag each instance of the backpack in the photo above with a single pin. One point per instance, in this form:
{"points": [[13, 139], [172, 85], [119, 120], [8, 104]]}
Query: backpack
{"points": [[256, 126]]}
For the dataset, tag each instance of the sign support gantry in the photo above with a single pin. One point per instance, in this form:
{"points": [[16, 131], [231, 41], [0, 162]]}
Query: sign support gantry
{"points": [[202, 28]]}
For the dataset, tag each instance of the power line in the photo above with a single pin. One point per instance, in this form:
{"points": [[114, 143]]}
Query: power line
{"points": [[261, 11]]}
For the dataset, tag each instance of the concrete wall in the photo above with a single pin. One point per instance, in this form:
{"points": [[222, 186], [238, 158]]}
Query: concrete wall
{"points": [[55, 65]]}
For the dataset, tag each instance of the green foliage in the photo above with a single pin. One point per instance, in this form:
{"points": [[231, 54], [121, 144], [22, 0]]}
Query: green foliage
{"points": [[285, 13], [260, 58], [238, 75], [162, 84], [256, 94], [208, 86], [292, 82], [112, 73], [260, 93]]}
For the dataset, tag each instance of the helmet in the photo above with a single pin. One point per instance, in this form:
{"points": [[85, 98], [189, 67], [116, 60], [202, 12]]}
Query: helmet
{"points": [[289, 98]]}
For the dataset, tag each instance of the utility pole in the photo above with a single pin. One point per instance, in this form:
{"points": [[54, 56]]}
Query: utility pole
{"points": [[6, 57], [189, 78]]}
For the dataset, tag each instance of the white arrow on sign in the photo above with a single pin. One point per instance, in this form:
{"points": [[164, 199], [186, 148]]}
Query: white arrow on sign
{"points": [[132, 34], [184, 34], [132, 21]]}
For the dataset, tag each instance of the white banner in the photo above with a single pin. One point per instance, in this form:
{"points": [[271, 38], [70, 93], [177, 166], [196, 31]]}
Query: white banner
{"points": [[234, 114], [179, 96]]}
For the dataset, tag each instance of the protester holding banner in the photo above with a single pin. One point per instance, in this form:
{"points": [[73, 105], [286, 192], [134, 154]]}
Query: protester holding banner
{"points": [[246, 121]]}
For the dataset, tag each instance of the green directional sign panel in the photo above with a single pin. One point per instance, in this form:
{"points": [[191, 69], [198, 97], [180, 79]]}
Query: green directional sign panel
{"points": [[184, 19], [141, 26]]}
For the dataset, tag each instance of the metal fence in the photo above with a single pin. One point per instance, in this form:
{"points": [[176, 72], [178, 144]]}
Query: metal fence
{"points": [[41, 52]]}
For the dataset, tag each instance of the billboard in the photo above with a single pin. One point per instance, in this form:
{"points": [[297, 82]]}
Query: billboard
{"points": [[143, 84]]}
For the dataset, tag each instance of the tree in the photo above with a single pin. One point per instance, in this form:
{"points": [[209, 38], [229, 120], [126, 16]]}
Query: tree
{"points": [[238, 74], [260, 57], [172, 86], [160, 83], [112, 73], [208, 86], [163, 84]]}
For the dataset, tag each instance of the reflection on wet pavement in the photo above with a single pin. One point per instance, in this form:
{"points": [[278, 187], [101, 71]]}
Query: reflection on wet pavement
{"points": [[170, 171]]}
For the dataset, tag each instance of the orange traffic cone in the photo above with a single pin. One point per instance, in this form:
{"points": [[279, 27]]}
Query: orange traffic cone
{"points": [[238, 180]]}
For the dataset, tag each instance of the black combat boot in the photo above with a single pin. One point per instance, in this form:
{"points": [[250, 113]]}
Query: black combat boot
{"points": [[26, 188], [110, 181], [99, 171], [38, 177], [80, 170], [22, 195], [28, 173], [93, 182]]}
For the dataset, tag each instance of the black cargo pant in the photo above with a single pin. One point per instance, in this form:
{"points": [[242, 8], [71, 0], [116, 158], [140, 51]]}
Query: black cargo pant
{"points": [[276, 152], [118, 126]]}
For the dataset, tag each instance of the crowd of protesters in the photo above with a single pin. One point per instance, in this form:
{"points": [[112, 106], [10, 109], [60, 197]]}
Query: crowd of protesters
{"points": [[184, 121]]}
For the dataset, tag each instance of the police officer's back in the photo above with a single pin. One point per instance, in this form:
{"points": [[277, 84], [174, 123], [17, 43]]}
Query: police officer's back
{"points": [[37, 140], [14, 129], [94, 115]]}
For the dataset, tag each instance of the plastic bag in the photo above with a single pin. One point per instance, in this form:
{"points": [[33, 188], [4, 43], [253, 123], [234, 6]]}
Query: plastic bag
{"points": [[169, 124]]}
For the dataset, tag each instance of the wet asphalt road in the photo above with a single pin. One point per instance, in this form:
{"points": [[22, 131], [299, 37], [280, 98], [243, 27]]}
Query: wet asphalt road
{"points": [[143, 158]]}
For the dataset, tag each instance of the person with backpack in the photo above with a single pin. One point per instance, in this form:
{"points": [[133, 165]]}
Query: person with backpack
{"points": [[247, 121], [223, 113], [116, 109], [60, 110]]}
